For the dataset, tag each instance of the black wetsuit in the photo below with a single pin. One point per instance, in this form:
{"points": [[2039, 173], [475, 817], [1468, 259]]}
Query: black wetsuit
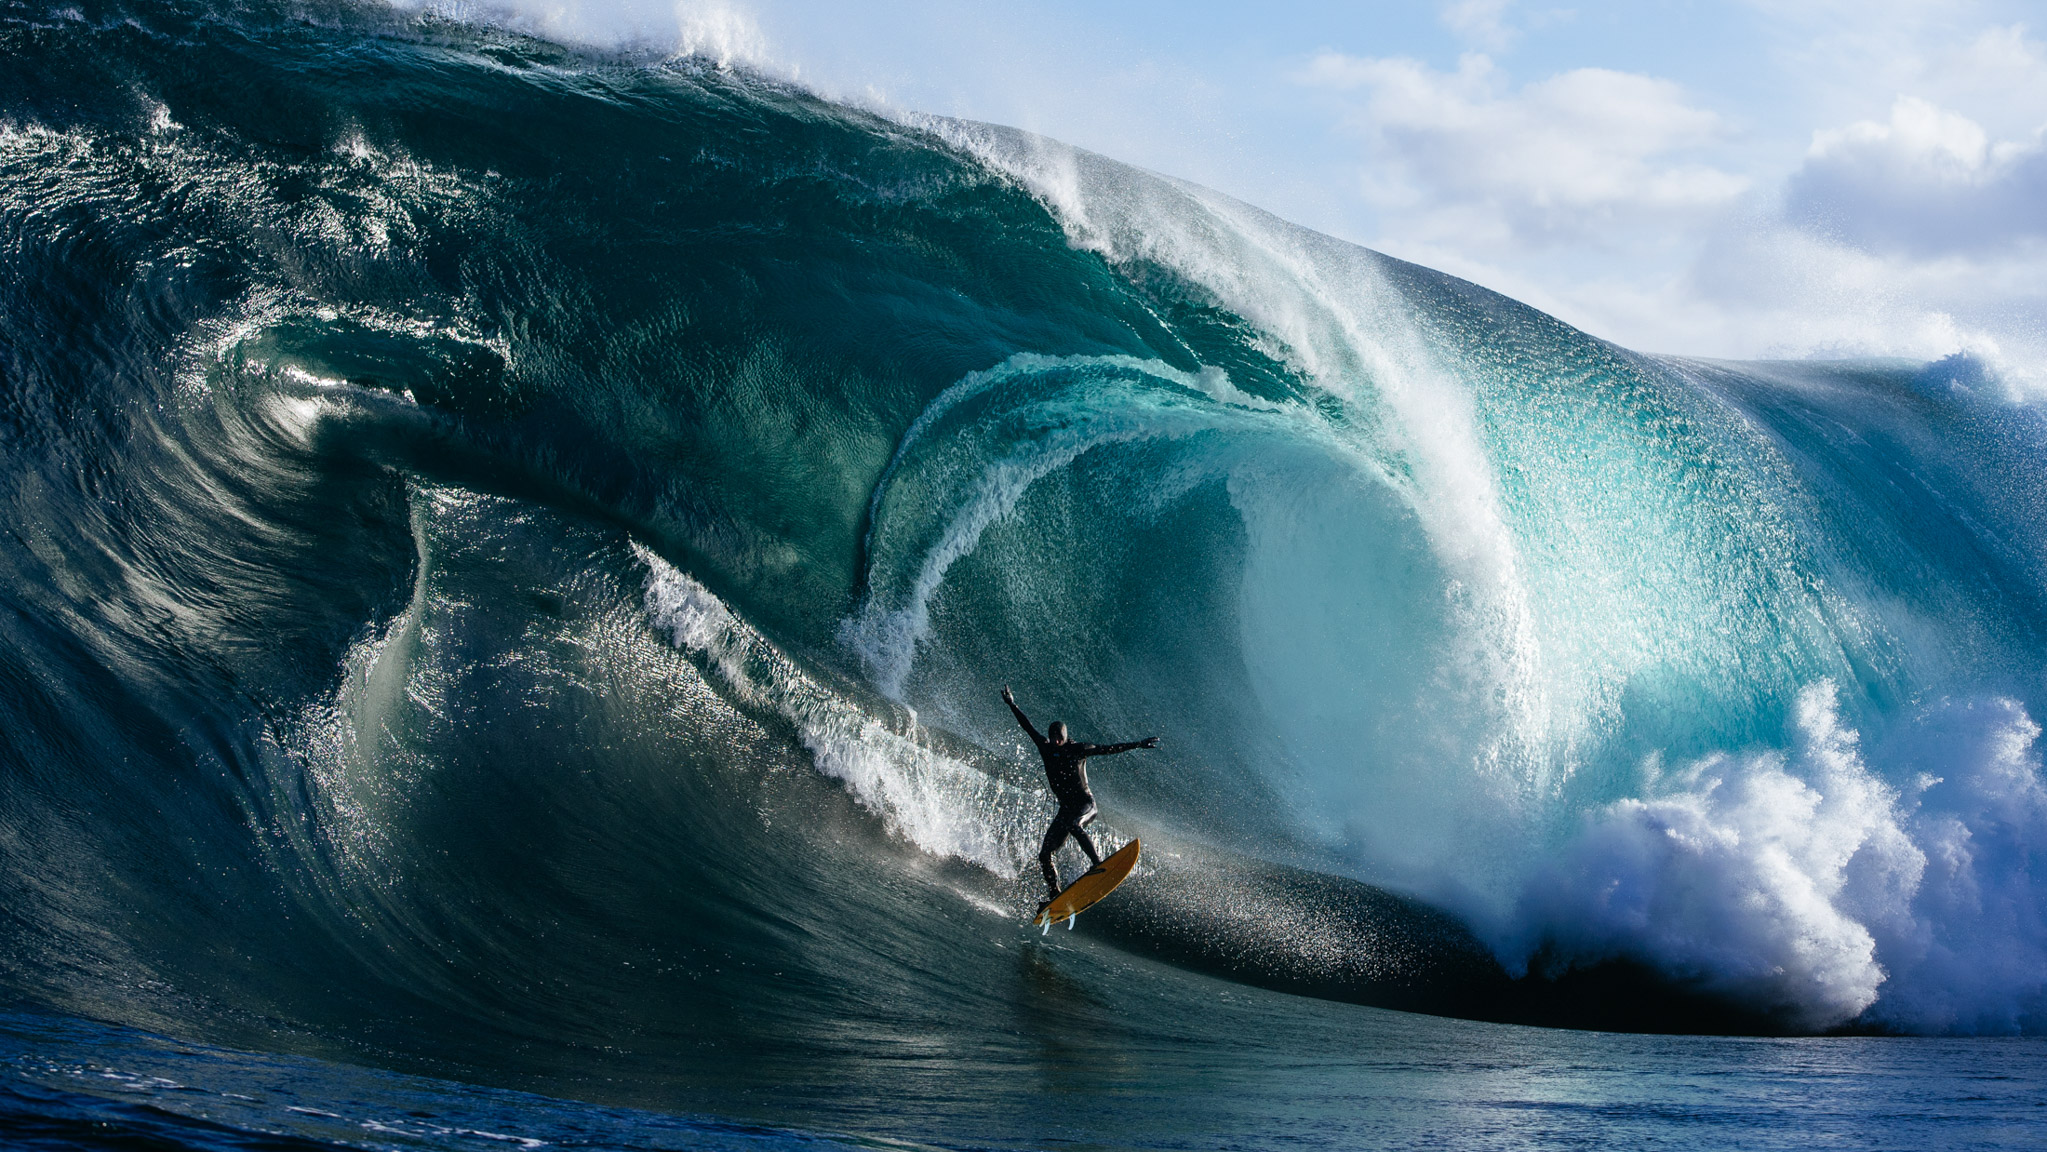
{"points": [[1066, 769]]}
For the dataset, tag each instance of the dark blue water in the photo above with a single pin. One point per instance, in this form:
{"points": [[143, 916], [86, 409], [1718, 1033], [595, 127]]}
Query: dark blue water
{"points": [[509, 553], [1341, 1077]]}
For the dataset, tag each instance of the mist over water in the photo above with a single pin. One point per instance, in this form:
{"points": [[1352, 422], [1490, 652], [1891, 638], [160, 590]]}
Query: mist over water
{"points": [[512, 553]]}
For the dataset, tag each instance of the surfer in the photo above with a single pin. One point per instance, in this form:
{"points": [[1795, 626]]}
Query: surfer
{"points": [[1066, 768]]}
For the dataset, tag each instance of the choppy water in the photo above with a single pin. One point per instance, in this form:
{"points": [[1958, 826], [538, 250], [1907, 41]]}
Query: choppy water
{"points": [[1261, 1073], [509, 554]]}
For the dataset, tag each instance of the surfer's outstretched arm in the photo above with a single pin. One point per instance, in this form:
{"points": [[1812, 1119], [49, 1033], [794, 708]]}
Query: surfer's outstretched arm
{"points": [[1112, 749], [1020, 717]]}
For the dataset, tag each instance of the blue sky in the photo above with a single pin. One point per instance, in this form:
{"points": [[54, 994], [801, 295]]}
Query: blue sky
{"points": [[1721, 178]]}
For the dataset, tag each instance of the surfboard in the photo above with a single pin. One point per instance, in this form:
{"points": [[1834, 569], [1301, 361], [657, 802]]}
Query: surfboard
{"points": [[1087, 891]]}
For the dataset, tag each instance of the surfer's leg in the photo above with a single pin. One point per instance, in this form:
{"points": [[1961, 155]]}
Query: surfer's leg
{"points": [[1054, 837], [1086, 842]]}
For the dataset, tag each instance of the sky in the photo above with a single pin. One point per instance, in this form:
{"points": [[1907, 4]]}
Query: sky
{"points": [[1716, 178]]}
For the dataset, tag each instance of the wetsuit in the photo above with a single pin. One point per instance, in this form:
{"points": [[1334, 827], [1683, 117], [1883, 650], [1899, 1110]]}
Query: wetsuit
{"points": [[1066, 769]]}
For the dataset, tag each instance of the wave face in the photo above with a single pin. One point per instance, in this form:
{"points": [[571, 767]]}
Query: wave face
{"points": [[509, 556]]}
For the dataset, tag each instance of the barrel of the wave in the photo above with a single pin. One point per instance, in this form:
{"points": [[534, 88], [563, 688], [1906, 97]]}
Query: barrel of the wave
{"points": [[1087, 891]]}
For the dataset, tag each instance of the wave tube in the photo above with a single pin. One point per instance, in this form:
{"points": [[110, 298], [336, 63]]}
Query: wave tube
{"points": [[1620, 657]]}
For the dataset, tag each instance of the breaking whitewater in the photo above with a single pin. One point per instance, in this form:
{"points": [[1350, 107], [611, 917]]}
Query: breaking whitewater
{"points": [[510, 554]]}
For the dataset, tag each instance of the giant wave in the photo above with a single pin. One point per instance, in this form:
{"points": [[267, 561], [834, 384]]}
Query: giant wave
{"points": [[510, 553]]}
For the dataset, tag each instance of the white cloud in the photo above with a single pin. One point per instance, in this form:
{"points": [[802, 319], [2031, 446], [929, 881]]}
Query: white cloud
{"points": [[1623, 204], [1849, 56], [1749, 284], [1999, 76], [1919, 133], [1565, 159], [1492, 26], [1776, 289], [1480, 22], [1926, 182]]}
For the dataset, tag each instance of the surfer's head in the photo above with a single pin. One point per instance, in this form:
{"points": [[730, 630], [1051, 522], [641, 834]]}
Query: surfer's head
{"points": [[1057, 731]]}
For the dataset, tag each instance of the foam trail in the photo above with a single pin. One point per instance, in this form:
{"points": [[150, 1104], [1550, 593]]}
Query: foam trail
{"points": [[943, 806]]}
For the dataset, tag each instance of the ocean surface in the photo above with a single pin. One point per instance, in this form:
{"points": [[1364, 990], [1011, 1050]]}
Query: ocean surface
{"points": [[509, 553]]}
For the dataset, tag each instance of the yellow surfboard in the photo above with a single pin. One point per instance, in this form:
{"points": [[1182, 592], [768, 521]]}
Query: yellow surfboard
{"points": [[1085, 892]]}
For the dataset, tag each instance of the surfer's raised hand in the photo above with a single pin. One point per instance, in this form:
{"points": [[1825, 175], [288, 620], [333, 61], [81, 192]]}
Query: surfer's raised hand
{"points": [[1006, 697]]}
